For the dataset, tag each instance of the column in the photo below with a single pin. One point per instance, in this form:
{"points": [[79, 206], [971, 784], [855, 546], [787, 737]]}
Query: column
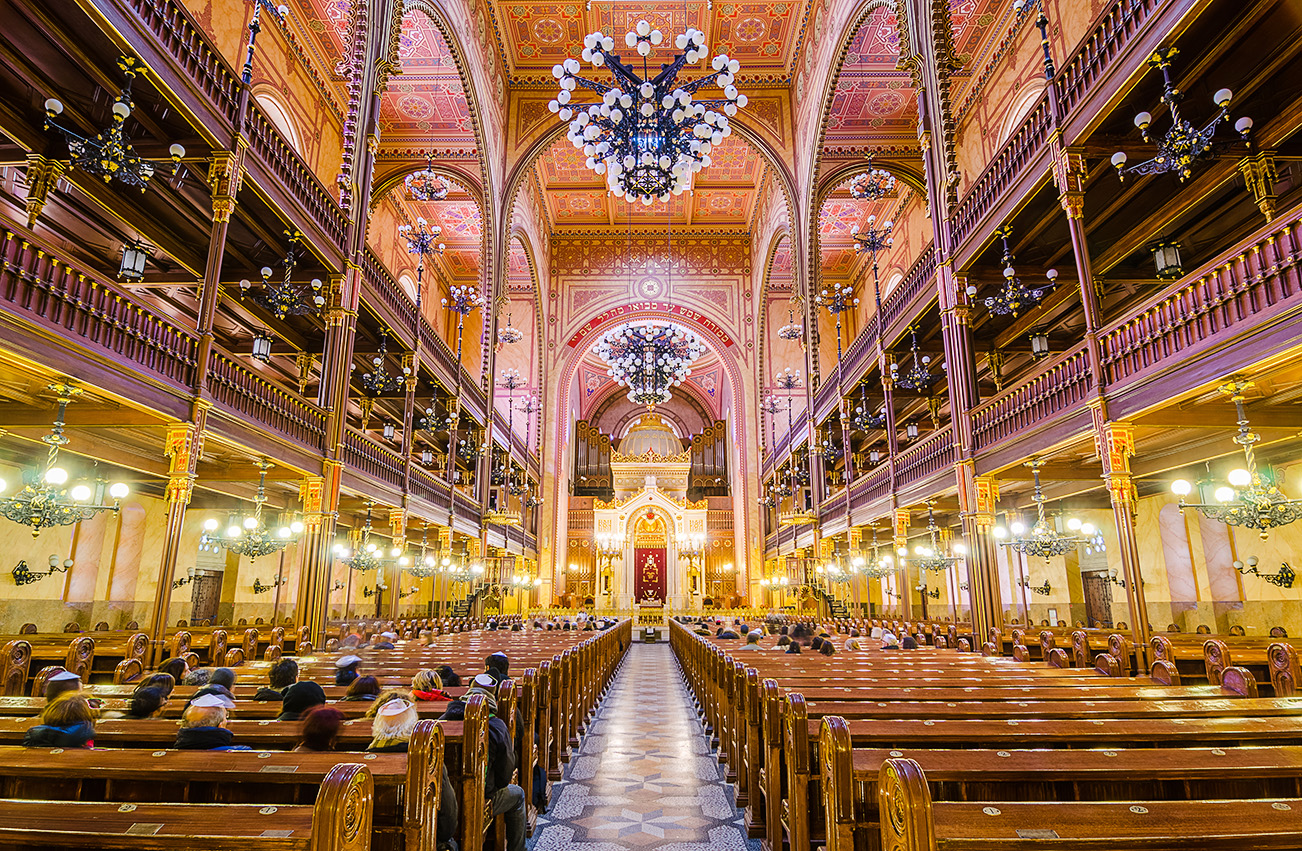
{"points": [[902, 586], [978, 496], [398, 528], [1116, 444], [319, 496], [225, 174], [183, 447], [1069, 173]]}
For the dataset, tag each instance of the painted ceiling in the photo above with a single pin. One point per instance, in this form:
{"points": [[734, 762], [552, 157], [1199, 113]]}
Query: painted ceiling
{"points": [[458, 215], [838, 218], [533, 36], [723, 195]]}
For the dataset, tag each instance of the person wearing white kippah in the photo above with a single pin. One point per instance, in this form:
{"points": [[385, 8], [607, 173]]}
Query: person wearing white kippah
{"points": [[203, 726]]}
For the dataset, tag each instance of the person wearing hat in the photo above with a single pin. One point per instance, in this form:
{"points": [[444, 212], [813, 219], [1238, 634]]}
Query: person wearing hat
{"points": [[346, 669], [203, 726], [391, 731], [61, 683], [280, 676], [496, 666], [221, 682], [505, 797], [66, 722], [386, 641], [299, 698], [889, 641]]}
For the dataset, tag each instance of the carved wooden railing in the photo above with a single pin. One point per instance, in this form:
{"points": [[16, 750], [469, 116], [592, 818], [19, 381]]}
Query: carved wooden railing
{"points": [[446, 365], [465, 506], [1245, 288], [430, 488], [933, 453], [252, 396], [294, 174], [1116, 26], [176, 33], [1064, 383], [382, 286], [872, 486], [66, 300], [369, 457], [919, 278]]}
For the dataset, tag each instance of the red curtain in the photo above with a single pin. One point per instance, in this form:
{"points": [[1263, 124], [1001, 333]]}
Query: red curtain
{"points": [[649, 573]]}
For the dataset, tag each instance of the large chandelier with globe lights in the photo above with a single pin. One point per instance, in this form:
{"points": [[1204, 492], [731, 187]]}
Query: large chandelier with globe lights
{"points": [[1248, 500], [793, 331], [649, 359], [1015, 296], [918, 377], [879, 566], [936, 556], [647, 134], [369, 555], [426, 184], [45, 499], [872, 185], [1043, 539], [250, 535]]}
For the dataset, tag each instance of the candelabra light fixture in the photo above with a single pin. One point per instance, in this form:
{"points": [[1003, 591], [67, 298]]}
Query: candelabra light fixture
{"points": [[287, 297], [109, 154], [1014, 297], [647, 135], [426, 184], [260, 588], [793, 331], [1249, 499], [423, 565], [461, 299], [649, 359], [1283, 579], [1043, 539], [934, 556], [46, 499], [380, 382], [249, 535], [918, 376], [508, 334], [837, 299], [873, 184], [877, 566], [24, 575], [933, 593], [1043, 590], [863, 418], [369, 555], [422, 240], [1183, 146]]}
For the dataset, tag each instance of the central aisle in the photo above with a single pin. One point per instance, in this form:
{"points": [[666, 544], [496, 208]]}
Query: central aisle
{"points": [[644, 777]]}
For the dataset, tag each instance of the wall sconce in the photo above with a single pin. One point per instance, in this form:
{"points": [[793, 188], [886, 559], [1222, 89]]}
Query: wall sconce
{"points": [[388, 431], [23, 575], [184, 580], [1039, 343], [1043, 590], [1166, 256], [262, 348], [338, 586], [911, 431], [259, 588], [1283, 579], [132, 267]]}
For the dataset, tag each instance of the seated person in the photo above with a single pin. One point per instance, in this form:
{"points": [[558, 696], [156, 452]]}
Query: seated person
{"points": [[497, 665], [793, 647], [908, 643], [853, 642], [394, 722], [66, 722], [448, 677], [816, 644], [197, 677], [281, 675], [163, 682], [299, 698], [320, 731], [889, 641], [60, 684], [827, 648], [177, 667], [385, 642], [783, 641], [752, 641], [362, 690], [220, 682], [727, 634], [505, 797], [346, 669], [203, 726], [426, 685], [146, 702]]}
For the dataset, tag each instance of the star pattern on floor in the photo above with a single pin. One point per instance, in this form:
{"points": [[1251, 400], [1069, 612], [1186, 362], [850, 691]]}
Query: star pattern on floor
{"points": [[644, 776]]}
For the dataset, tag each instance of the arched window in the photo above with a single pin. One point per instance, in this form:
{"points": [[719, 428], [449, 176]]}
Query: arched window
{"points": [[892, 283], [408, 286], [278, 115], [1023, 103]]}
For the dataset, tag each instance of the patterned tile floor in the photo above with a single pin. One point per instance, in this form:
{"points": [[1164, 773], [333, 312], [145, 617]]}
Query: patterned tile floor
{"points": [[645, 776]]}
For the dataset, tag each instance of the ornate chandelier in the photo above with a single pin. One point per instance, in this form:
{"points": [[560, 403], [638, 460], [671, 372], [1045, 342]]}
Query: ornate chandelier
{"points": [[792, 331], [286, 297], [422, 240], [872, 185], [1183, 145], [380, 382], [426, 185], [647, 134], [1015, 297], [863, 419], [1248, 500], [369, 555], [649, 359], [917, 377], [879, 565], [110, 154], [934, 557], [250, 536], [1043, 539], [45, 499], [424, 565], [509, 335]]}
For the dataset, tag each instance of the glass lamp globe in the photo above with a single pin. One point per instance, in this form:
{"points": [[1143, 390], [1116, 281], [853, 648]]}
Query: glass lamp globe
{"points": [[210, 525], [119, 490]]}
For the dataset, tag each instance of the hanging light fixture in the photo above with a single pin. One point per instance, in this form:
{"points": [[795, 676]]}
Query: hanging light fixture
{"points": [[1039, 343], [110, 154], [423, 565], [878, 565], [647, 135], [369, 555], [872, 185], [134, 256], [45, 499], [1183, 146], [649, 359], [509, 335], [1248, 500], [287, 297], [797, 475], [934, 556], [917, 377], [461, 299], [422, 240], [427, 457], [389, 430], [1015, 297], [911, 430], [1166, 257], [1043, 539], [379, 382], [793, 331], [249, 535], [262, 348], [426, 184], [837, 299]]}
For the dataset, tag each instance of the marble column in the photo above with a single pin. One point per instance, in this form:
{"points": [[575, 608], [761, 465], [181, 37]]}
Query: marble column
{"points": [[87, 552], [1116, 442]]}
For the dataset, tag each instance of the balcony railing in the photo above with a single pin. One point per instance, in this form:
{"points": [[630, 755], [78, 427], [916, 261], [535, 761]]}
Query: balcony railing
{"points": [[430, 488], [919, 278], [175, 31], [1093, 57], [1062, 385], [383, 288], [251, 396], [64, 299], [369, 457], [933, 453], [281, 160]]}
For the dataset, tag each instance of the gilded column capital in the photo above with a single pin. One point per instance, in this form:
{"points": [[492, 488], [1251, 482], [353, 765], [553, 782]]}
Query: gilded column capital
{"points": [[42, 175], [1261, 176]]}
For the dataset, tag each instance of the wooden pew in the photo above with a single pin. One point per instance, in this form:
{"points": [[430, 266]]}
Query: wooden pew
{"points": [[340, 820]]}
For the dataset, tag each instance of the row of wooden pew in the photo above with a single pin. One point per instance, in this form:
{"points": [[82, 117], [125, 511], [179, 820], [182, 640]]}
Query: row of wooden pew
{"points": [[346, 800], [939, 747]]}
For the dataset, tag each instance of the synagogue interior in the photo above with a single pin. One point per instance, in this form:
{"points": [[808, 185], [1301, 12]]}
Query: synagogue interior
{"points": [[456, 413]]}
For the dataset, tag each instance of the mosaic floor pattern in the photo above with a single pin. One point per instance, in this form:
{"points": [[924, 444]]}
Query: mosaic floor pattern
{"points": [[645, 776]]}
